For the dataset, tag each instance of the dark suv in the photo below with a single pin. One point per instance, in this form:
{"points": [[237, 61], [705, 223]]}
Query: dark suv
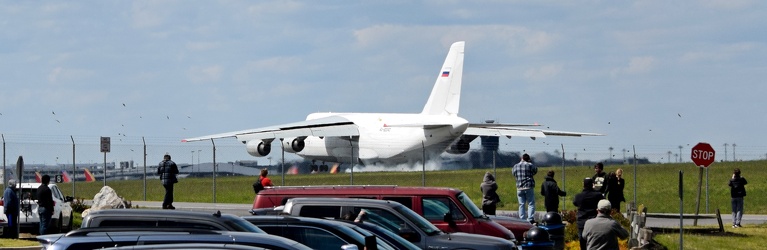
{"points": [[155, 218], [319, 234], [98, 238]]}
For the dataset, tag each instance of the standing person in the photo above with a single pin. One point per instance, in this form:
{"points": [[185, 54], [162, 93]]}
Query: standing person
{"points": [[737, 192], [262, 181], [44, 204], [551, 192], [168, 170], [600, 178], [586, 201], [523, 173], [490, 196], [11, 209], [602, 232], [615, 185]]}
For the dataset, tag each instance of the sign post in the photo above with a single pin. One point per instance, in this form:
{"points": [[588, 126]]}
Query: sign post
{"points": [[105, 146], [702, 155]]}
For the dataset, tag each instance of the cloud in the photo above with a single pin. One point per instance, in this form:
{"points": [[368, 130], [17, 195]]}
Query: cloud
{"points": [[64, 75], [205, 74], [149, 14], [636, 65], [200, 46], [514, 38], [544, 72]]}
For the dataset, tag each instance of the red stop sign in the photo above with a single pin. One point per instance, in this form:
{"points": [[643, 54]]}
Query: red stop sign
{"points": [[702, 154]]}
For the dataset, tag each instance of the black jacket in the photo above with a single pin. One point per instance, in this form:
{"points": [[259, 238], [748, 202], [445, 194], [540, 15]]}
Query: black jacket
{"points": [[551, 193], [587, 202], [489, 188], [615, 189], [738, 187], [45, 197]]}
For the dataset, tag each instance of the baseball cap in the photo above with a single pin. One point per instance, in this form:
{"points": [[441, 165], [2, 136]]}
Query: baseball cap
{"points": [[603, 205]]}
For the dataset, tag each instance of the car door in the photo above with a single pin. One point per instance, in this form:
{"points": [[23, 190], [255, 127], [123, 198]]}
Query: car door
{"points": [[435, 208], [61, 206]]}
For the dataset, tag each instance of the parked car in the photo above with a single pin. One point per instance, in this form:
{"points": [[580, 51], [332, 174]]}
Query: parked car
{"points": [[97, 238], [430, 202], [61, 221], [156, 218], [385, 235], [394, 217], [317, 233]]}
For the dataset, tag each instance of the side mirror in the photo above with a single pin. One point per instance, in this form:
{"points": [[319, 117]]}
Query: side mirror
{"points": [[69, 199], [349, 247], [408, 234], [449, 219]]}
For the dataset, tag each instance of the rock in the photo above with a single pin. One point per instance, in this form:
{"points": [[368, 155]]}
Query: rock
{"points": [[107, 198]]}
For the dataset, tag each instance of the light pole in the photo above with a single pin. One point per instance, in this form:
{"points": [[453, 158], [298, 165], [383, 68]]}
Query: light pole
{"points": [[192, 162], [669, 156], [611, 154], [198, 159], [680, 153], [733, 153], [725, 151], [624, 156]]}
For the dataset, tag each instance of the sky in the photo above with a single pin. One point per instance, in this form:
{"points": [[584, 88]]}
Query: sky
{"points": [[655, 77]]}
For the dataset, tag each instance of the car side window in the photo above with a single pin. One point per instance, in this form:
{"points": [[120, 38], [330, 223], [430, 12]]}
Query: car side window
{"points": [[382, 218], [435, 208], [405, 201], [57, 193], [321, 211], [314, 238]]}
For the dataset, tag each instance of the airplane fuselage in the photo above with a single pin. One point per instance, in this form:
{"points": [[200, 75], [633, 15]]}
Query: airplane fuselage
{"points": [[386, 138]]}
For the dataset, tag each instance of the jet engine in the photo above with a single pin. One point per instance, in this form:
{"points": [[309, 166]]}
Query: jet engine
{"points": [[461, 146], [293, 145], [258, 148]]}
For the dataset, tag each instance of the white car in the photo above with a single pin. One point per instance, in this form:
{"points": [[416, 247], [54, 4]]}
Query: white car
{"points": [[61, 221]]}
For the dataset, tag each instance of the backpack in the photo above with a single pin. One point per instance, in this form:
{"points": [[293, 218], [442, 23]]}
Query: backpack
{"points": [[258, 186]]}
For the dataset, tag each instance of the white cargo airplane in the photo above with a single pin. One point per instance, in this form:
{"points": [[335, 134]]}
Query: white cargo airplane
{"points": [[387, 138]]}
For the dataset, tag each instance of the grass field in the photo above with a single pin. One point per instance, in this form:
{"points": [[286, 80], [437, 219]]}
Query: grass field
{"points": [[657, 185]]}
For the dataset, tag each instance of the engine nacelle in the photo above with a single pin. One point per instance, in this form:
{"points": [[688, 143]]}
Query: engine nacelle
{"points": [[258, 148], [459, 147], [293, 145]]}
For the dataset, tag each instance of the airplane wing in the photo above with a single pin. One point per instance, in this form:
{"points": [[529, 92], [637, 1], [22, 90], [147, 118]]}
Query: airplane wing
{"points": [[321, 127], [518, 130]]}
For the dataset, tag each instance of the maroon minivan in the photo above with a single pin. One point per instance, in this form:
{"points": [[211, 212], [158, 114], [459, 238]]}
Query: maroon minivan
{"points": [[450, 209]]}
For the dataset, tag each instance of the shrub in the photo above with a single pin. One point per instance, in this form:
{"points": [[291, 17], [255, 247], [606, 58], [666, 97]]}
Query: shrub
{"points": [[79, 206]]}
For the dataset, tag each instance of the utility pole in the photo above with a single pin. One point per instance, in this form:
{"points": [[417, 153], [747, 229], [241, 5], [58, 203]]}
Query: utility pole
{"points": [[725, 151], [680, 153], [611, 154], [669, 156], [733, 153]]}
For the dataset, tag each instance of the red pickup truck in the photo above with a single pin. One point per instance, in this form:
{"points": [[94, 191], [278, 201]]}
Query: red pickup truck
{"points": [[451, 210]]}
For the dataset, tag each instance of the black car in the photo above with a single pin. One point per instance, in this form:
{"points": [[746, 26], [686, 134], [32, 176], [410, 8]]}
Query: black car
{"points": [[383, 234], [155, 218], [98, 238], [317, 233]]}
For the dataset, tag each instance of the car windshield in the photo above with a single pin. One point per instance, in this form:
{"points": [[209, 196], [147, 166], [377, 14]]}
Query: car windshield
{"points": [[418, 220], [243, 226], [466, 201]]}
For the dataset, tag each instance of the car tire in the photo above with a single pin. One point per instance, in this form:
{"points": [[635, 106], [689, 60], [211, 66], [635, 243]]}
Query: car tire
{"points": [[59, 224], [69, 225]]}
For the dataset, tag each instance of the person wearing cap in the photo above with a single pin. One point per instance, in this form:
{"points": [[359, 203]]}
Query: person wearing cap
{"points": [[602, 232], [167, 170], [11, 209], [523, 173], [586, 201]]}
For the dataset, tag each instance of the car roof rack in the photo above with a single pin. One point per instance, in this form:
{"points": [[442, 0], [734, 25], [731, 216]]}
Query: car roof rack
{"points": [[86, 231]]}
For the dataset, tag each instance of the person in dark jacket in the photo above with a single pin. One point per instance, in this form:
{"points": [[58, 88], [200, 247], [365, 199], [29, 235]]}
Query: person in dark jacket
{"points": [[44, 204], [586, 201], [551, 192], [600, 178], [168, 170], [737, 192], [11, 209], [615, 185], [490, 196]]}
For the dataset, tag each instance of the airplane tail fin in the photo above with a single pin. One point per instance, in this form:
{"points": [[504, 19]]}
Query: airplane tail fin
{"points": [[65, 176], [88, 176], [38, 177], [446, 95]]}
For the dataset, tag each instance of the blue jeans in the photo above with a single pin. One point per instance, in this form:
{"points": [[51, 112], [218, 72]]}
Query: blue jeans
{"points": [[737, 210], [526, 196], [45, 219]]}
